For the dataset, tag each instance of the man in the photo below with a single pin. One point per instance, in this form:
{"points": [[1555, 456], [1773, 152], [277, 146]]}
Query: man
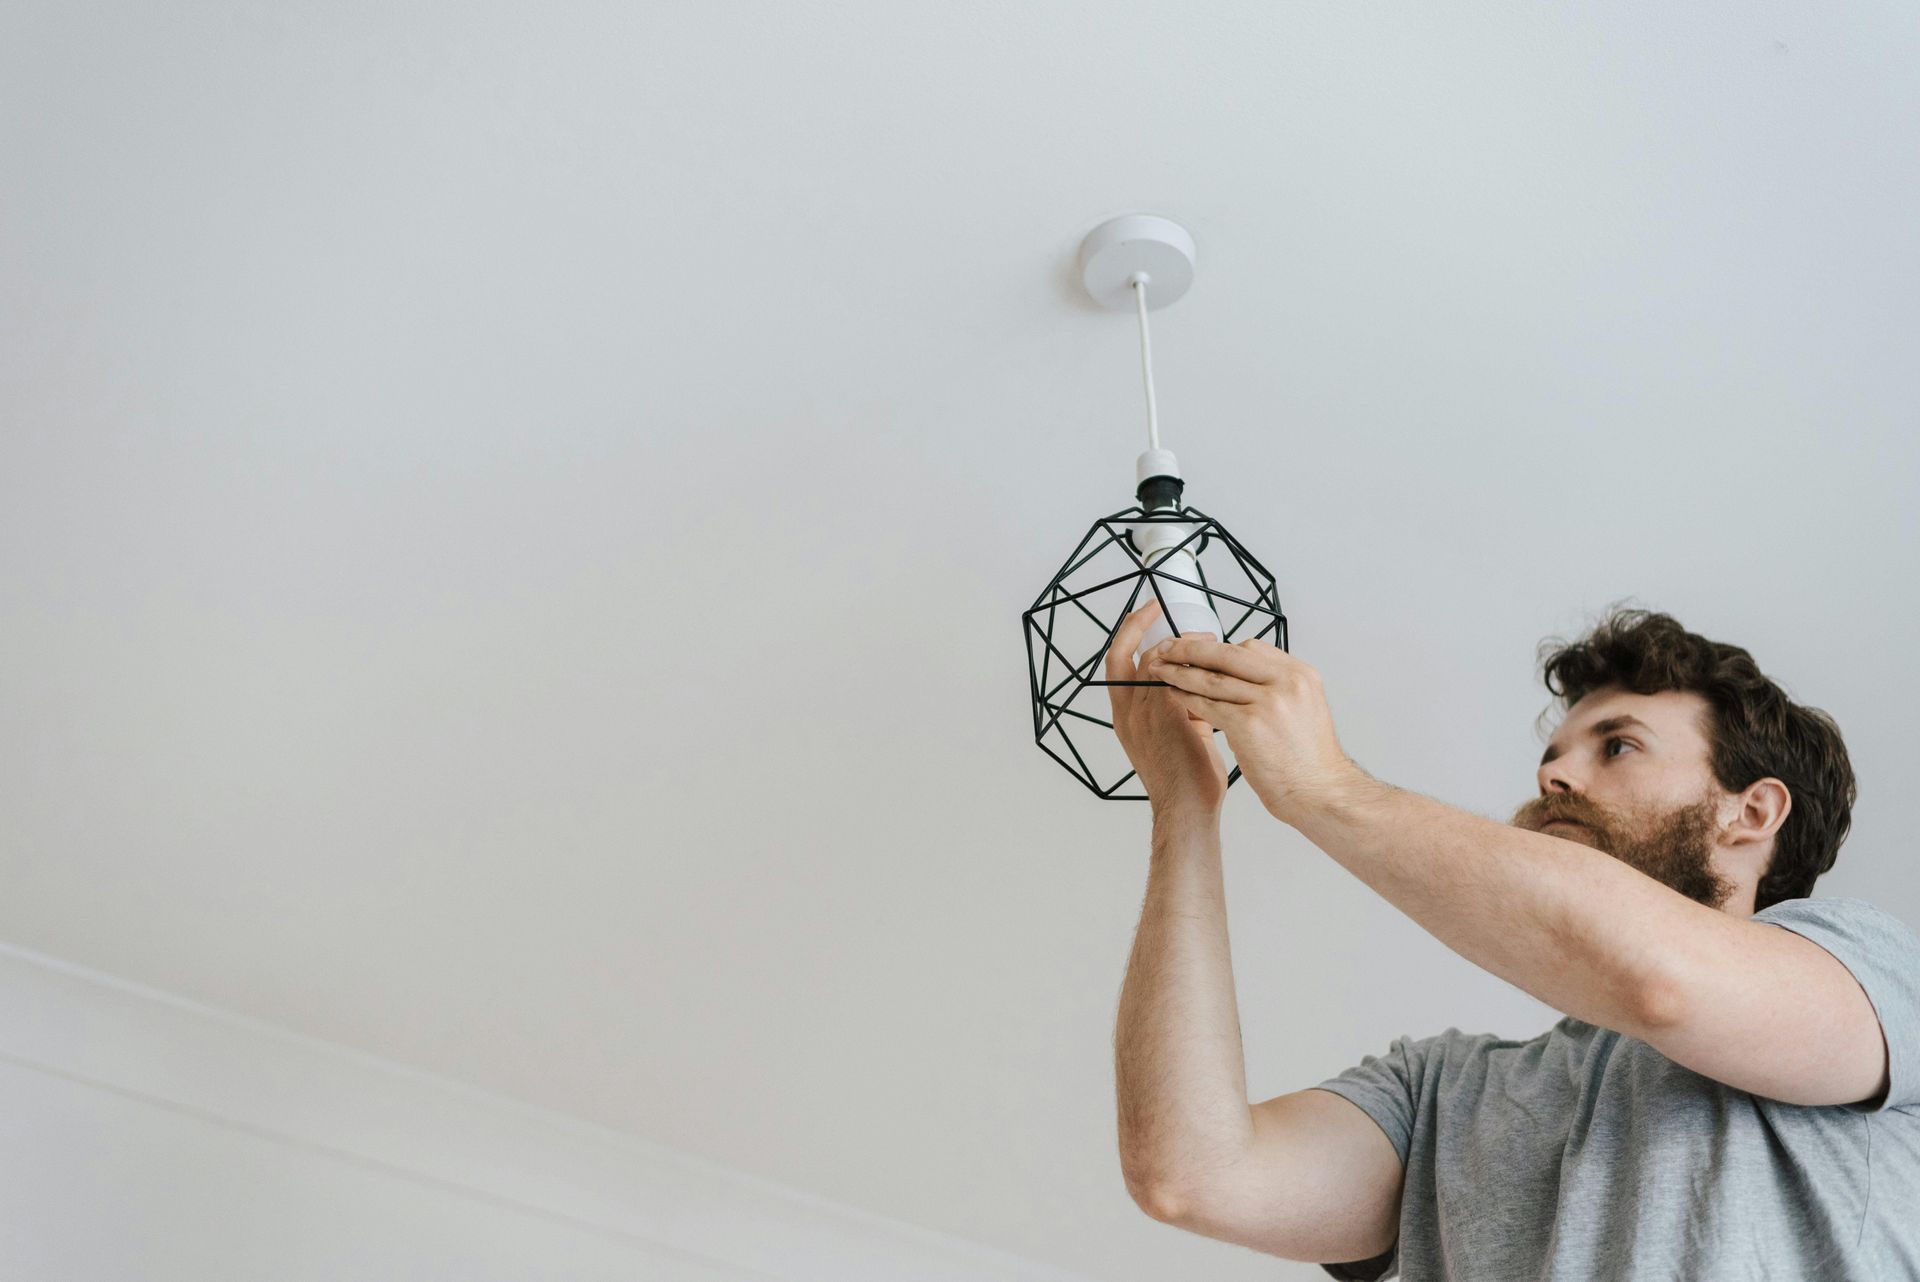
{"points": [[1735, 1090]]}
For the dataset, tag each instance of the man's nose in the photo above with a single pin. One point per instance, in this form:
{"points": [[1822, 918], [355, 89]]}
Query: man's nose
{"points": [[1553, 777]]}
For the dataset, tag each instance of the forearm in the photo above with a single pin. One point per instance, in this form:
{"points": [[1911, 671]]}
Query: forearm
{"points": [[1571, 925], [1179, 1069]]}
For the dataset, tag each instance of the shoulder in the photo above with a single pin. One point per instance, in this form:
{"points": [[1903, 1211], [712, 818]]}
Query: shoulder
{"points": [[1845, 925], [1831, 908]]}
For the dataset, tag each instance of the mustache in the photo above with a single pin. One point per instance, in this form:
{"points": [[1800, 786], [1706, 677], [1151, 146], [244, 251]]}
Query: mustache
{"points": [[1540, 814]]}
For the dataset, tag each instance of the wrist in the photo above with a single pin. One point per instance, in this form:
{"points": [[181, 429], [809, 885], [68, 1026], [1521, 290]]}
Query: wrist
{"points": [[1186, 814], [1342, 792]]}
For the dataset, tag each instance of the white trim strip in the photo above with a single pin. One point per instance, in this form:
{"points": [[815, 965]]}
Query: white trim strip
{"points": [[168, 1052]]}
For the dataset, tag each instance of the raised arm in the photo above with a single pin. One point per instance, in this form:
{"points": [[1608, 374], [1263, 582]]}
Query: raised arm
{"points": [[1306, 1176], [1179, 1070]]}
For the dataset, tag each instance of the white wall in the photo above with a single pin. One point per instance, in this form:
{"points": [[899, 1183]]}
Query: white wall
{"points": [[147, 1137]]}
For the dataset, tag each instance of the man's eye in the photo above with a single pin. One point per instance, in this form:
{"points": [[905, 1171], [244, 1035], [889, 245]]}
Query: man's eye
{"points": [[1615, 740]]}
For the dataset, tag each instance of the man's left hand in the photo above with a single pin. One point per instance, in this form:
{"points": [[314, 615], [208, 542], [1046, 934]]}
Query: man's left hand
{"points": [[1272, 709]]}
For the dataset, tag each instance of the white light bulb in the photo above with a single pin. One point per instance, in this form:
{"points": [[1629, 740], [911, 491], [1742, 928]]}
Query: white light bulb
{"points": [[1187, 604], [1155, 542]]}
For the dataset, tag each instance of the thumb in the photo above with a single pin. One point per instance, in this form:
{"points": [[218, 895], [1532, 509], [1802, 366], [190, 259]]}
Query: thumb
{"points": [[1125, 638]]}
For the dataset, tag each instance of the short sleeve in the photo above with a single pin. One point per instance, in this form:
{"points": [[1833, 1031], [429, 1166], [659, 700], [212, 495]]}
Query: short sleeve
{"points": [[1374, 1270], [1883, 954], [1387, 1089]]}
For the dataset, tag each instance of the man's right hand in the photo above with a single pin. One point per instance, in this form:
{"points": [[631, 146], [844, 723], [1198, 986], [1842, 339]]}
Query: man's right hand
{"points": [[1171, 749]]}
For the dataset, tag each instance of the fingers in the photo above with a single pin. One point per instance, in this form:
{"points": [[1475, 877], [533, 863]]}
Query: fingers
{"points": [[1204, 683], [1126, 638], [1258, 665], [1154, 661], [1218, 714]]}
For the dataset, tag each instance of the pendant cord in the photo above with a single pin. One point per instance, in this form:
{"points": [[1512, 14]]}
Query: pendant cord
{"points": [[1139, 283]]}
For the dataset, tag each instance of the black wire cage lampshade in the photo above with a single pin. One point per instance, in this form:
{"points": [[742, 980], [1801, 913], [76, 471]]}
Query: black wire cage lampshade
{"points": [[1072, 623], [1160, 549]]}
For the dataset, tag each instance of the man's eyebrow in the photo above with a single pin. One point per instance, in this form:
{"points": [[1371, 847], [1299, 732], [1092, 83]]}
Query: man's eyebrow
{"points": [[1607, 726]]}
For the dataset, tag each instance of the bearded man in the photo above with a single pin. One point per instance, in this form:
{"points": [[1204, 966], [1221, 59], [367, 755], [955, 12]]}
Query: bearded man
{"points": [[1734, 1092]]}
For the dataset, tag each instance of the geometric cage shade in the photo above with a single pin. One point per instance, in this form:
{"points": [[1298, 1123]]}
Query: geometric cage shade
{"points": [[1072, 623]]}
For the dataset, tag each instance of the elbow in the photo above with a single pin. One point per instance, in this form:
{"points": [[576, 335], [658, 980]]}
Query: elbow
{"points": [[1163, 1204], [1658, 1007], [1157, 1197]]}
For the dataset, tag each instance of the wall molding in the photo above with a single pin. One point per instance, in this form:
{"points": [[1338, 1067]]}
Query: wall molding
{"points": [[227, 1069]]}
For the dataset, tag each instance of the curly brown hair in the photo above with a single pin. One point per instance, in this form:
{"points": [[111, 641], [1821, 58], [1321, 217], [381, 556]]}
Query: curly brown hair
{"points": [[1753, 730]]}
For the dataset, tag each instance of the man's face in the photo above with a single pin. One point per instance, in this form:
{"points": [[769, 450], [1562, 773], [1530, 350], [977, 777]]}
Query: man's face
{"points": [[1642, 791]]}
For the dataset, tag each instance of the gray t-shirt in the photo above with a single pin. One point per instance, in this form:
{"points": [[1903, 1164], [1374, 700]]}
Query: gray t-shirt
{"points": [[1587, 1156]]}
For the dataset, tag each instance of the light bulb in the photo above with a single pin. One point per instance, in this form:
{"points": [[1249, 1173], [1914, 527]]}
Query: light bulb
{"points": [[1187, 605], [1157, 543]]}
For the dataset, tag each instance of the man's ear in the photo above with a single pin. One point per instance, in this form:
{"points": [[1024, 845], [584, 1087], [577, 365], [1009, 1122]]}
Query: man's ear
{"points": [[1764, 806]]}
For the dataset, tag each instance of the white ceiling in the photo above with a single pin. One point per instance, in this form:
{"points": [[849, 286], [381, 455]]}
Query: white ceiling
{"points": [[515, 518]]}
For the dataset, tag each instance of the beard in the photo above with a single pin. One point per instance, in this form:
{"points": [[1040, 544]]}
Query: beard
{"points": [[1673, 846]]}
